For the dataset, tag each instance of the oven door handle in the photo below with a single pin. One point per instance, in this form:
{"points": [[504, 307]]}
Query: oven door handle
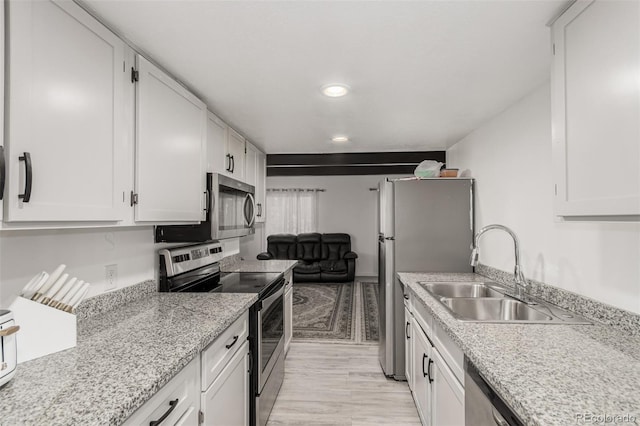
{"points": [[272, 295], [267, 301]]}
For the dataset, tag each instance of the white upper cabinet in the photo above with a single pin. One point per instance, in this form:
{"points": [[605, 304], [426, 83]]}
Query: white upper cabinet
{"points": [[255, 173], [250, 164], [64, 131], [596, 109], [236, 153], [171, 132], [225, 149], [217, 160], [261, 187]]}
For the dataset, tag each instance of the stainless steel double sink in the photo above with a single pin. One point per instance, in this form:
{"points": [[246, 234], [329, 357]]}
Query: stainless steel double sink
{"points": [[491, 302]]}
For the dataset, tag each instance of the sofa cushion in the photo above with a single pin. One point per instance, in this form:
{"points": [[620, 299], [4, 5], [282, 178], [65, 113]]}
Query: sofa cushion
{"points": [[307, 268], [335, 246], [282, 246], [333, 266], [309, 247]]}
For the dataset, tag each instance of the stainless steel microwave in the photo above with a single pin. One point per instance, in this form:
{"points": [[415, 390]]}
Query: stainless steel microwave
{"points": [[231, 212]]}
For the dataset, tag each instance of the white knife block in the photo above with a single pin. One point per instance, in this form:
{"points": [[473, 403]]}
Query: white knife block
{"points": [[43, 329]]}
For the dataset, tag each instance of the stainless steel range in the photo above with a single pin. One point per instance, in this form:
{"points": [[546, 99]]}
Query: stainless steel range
{"points": [[195, 268]]}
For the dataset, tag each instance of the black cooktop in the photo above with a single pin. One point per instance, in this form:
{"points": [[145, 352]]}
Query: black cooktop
{"points": [[246, 282]]}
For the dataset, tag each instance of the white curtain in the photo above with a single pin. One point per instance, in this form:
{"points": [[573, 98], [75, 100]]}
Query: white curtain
{"points": [[291, 211]]}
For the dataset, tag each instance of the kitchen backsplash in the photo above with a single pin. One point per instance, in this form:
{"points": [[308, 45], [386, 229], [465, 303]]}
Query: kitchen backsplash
{"points": [[107, 301]]}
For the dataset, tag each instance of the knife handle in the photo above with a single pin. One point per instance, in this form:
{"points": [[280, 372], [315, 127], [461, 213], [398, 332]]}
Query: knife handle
{"points": [[9, 331]]}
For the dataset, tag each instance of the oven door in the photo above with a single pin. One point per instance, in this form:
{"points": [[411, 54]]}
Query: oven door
{"points": [[270, 332]]}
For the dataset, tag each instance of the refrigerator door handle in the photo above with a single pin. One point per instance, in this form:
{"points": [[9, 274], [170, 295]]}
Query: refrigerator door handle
{"points": [[390, 238]]}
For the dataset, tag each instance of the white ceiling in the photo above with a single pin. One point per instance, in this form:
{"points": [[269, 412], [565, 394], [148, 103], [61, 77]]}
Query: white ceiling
{"points": [[423, 73]]}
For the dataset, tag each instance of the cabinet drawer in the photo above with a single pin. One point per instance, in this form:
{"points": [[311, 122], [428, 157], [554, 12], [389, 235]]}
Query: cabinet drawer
{"points": [[424, 318], [183, 388], [220, 351], [408, 298]]}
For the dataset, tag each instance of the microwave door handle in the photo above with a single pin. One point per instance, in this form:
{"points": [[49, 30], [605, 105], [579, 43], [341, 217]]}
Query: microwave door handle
{"points": [[252, 219]]}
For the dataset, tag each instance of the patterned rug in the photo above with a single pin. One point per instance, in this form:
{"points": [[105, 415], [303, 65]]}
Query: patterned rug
{"points": [[369, 291], [338, 312], [323, 311]]}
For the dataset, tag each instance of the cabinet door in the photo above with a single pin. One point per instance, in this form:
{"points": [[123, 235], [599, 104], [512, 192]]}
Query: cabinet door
{"points": [[261, 187], [236, 151], [65, 136], [226, 402], [422, 385], [170, 149], [448, 394], [217, 159], [595, 131], [288, 318], [251, 164], [408, 348]]}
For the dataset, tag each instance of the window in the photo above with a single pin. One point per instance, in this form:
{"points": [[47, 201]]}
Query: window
{"points": [[292, 211]]}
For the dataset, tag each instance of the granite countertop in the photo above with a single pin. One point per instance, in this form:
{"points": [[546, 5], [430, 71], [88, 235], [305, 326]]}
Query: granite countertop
{"points": [[280, 266], [122, 358], [547, 373]]}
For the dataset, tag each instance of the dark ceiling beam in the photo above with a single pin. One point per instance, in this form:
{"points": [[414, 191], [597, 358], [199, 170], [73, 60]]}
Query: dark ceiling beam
{"points": [[351, 163]]}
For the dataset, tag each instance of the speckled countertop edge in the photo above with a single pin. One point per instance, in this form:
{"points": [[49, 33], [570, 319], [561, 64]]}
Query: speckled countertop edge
{"points": [[123, 357], [546, 373]]}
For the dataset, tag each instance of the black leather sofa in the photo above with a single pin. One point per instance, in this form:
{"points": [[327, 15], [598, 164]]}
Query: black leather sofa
{"points": [[322, 257]]}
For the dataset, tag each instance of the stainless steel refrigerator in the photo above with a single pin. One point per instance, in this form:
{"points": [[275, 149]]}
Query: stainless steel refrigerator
{"points": [[424, 225]]}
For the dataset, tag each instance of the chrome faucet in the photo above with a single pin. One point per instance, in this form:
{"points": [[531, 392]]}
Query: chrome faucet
{"points": [[521, 285]]}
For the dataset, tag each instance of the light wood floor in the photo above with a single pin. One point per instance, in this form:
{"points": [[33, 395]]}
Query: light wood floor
{"points": [[340, 384]]}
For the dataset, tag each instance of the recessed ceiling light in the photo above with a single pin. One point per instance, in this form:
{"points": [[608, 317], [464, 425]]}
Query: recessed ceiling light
{"points": [[335, 90], [340, 139]]}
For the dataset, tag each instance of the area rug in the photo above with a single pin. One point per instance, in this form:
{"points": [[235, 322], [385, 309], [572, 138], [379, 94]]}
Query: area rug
{"points": [[323, 311], [370, 326]]}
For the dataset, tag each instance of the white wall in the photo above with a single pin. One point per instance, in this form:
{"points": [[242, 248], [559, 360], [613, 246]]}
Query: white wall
{"points": [[346, 206], [84, 251], [251, 245], [510, 156]]}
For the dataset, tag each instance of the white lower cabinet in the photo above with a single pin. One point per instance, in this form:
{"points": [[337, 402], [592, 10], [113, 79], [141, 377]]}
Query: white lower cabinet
{"points": [[226, 401], [448, 394], [288, 310], [435, 374], [177, 403], [408, 347], [422, 389]]}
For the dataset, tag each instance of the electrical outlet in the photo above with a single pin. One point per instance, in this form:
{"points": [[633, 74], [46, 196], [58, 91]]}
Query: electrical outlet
{"points": [[111, 277]]}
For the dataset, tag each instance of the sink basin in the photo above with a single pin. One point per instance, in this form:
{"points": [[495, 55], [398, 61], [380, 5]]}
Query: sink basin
{"points": [[494, 310], [453, 289]]}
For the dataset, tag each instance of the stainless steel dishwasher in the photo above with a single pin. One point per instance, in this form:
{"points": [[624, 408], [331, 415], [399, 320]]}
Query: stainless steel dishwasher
{"points": [[482, 405]]}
